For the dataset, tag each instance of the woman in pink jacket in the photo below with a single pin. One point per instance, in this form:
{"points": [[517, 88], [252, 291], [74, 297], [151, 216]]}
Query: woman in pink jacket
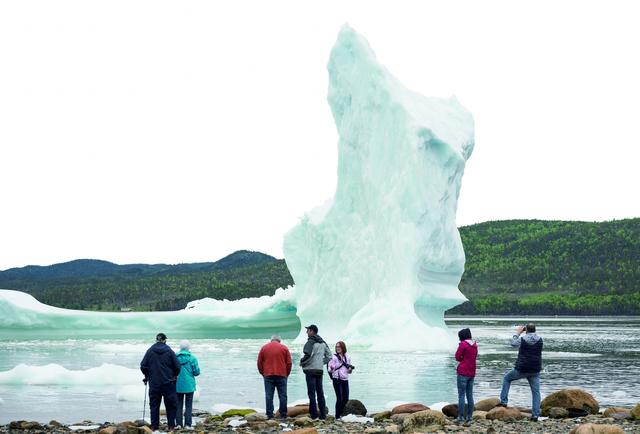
{"points": [[466, 354], [339, 369]]}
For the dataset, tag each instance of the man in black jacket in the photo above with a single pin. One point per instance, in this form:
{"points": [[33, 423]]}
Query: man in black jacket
{"points": [[528, 365], [161, 367]]}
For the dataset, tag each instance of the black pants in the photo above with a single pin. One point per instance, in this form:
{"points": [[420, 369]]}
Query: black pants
{"points": [[342, 395], [314, 386], [156, 393], [185, 399], [271, 383]]}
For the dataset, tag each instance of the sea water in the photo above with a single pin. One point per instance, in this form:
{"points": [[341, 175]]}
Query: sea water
{"points": [[97, 377]]}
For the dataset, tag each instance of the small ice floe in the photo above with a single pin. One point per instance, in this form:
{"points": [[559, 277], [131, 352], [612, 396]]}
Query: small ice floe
{"points": [[616, 394], [237, 422], [84, 427], [357, 419]]}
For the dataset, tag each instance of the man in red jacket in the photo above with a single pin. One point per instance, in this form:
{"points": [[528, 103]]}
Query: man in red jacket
{"points": [[274, 364]]}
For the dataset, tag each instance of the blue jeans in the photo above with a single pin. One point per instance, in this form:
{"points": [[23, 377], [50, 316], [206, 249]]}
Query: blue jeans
{"points": [[534, 383], [185, 400], [314, 387], [465, 387], [271, 383]]}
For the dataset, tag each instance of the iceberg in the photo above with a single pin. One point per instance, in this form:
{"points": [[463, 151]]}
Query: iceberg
{"points": [[257, 317], [380, 263], [54, 374]]}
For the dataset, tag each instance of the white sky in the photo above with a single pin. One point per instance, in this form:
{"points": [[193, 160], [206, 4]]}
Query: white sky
{"points": [[155, 131]]}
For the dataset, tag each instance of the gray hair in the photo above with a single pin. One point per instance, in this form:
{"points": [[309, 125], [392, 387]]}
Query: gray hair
{"points": [[275, 338], [184, 345]]}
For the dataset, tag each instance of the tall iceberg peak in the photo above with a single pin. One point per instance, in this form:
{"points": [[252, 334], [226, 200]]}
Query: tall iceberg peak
{"points": [[380, 263]]}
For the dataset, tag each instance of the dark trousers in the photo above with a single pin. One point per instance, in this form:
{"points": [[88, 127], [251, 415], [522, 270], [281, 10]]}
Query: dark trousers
{"points": [[314, 387], [185, 399], [156, 394], [271, 383], [342, 395]]}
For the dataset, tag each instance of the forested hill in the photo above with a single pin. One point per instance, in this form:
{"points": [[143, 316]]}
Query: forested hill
{"points": [[513, 267], [552, 267]]}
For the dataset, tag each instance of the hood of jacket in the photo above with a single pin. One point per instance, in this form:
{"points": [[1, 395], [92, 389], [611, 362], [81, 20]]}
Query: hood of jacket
{"points": [[160, 348], [184, 357], [316, 339]]}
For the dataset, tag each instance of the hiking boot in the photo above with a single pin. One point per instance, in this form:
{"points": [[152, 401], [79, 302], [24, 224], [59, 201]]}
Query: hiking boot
{"points": [[502, 405]]}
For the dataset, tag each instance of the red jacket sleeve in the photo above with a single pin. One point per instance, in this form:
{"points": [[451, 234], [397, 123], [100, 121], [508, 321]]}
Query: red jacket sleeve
{"points": [[460, 352], [260, 361]]}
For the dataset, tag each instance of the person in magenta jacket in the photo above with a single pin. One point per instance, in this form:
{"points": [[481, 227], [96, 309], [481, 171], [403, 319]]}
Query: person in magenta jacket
{"points": [[339, 369], [466, 354]]}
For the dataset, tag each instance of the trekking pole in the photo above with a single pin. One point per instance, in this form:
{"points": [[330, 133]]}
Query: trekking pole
{"points": [[144, 407]]}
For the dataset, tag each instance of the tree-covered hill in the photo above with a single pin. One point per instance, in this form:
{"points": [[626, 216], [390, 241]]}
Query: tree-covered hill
{"points": [[513, 267], [552, 267]]}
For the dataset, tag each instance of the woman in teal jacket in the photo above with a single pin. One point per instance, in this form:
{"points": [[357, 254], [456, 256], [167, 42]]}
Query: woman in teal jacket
{"points": [[186, 384]]}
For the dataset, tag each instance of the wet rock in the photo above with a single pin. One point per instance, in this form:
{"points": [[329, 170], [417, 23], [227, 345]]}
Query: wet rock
{"points": [[409, 408], [451, 410], [392, 429], [353, 406], [504, 413], [303, 421], [255, 417], [592, 428], [144, 430], [486, 404], [400, 417], [558, 413], [375, 430], [479, 415], [108, 430], [423, 419], [613, 410], [55, 424], [570, 399], [377, 417], [635, 413], [305, 431]]}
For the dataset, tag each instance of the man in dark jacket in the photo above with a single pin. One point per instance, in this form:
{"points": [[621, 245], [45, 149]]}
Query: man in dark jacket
{"points": [[316, 355], [528, 365], [161, 367]]}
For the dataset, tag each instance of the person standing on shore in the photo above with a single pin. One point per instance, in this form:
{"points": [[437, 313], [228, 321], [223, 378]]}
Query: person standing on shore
{"points": [[161, 368], [339, 369], [528, 365], [316, 356], [274, 364], [467, 355], [186, 384]]}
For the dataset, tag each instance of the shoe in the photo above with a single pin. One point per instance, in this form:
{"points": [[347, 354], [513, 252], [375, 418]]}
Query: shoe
{"points": [[533, 419], [502, 405], [458, 421]]}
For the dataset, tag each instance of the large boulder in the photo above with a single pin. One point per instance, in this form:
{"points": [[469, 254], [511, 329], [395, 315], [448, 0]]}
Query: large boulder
{"points": [[353, 406], [451, 410], [592, 428], [423, 419], [635, 413], [479, 414], [413, 407], [298, 410], [486, 404], [570, 399], [504, 413]]}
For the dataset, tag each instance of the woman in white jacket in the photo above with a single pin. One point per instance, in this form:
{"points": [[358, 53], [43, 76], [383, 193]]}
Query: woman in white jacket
{"points": [[339, 369]]}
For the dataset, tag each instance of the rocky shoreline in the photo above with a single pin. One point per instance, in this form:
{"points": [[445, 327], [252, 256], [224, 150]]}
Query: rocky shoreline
{"points": [[560, 410]]}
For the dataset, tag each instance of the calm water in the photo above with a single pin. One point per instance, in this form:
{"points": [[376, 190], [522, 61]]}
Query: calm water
{"points": [[599, 355]]}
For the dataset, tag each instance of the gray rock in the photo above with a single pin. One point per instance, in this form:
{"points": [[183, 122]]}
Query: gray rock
{"points": [[353, 406]]}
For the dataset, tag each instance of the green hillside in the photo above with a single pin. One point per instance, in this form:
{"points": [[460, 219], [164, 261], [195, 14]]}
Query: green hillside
{"points": [[519, 267]]}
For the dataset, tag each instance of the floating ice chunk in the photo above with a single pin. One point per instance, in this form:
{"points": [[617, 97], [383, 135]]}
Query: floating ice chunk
{"points": [[619, 394], [357, 419], [83, 427], [54, 374], [249, 317], [380, 263]]}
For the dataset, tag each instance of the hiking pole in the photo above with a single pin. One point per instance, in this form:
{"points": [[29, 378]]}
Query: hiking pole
{"points": [[144, 407]]}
